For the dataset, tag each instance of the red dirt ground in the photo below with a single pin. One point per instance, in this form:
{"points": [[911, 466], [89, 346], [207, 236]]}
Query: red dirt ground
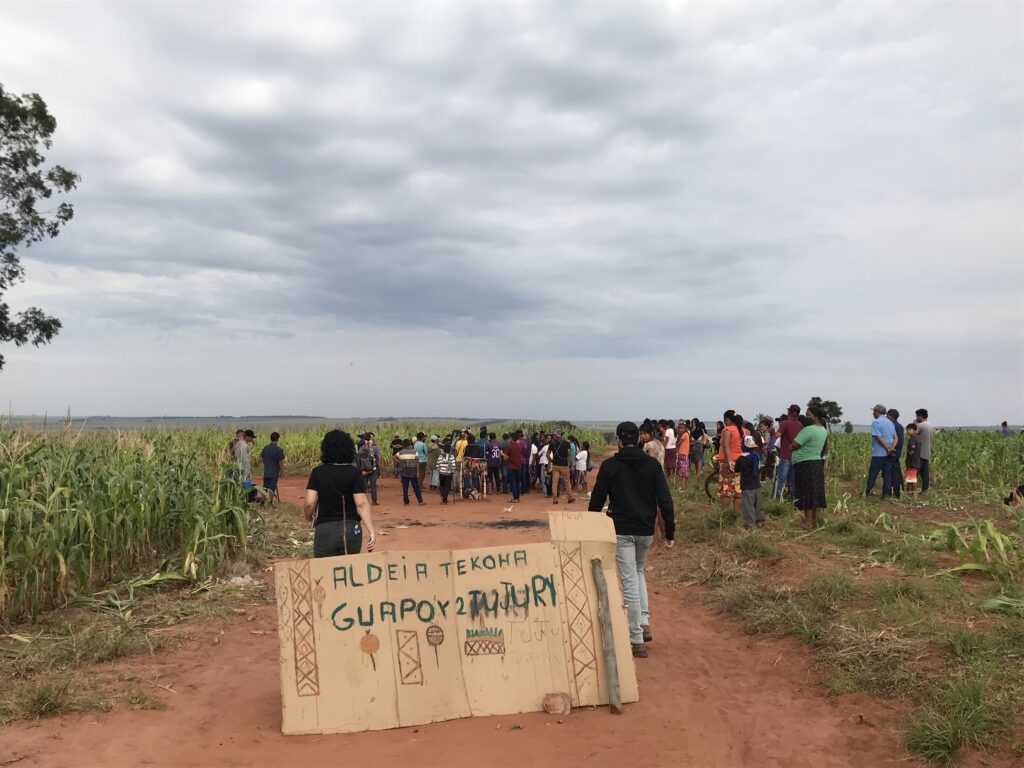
{"points": [[710, 696]]}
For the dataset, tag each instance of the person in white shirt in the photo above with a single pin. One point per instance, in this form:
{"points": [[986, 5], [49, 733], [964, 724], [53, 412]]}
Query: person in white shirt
{"points": [[669, 441], [542, 464], [582, 466]]}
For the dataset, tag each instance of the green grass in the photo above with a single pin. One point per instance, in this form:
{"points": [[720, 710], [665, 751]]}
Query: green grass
{"points": [[49, 697], [752, 546], [963, 717]]}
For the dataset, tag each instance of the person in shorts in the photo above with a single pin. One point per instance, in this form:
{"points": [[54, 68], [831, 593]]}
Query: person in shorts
{"points": [[272, 457]]}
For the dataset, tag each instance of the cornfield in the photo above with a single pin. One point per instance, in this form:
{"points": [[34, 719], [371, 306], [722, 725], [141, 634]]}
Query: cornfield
{"points": [[981, 465], [78, 511]]}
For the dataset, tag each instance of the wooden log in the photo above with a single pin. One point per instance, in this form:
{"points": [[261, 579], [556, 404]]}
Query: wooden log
{"points": [[611, 667]]}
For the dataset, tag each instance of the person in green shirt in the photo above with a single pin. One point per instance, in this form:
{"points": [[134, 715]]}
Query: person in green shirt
{"points": [[809, 449]]}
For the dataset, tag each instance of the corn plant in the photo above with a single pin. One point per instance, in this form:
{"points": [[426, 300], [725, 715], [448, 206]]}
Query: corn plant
{"points": [[79, 511]]}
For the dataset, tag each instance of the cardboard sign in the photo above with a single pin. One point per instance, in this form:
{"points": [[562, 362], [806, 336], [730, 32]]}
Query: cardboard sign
{"points": [[393, 639]]}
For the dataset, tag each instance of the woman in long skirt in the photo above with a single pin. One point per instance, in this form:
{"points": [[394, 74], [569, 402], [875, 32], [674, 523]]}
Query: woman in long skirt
{"points": [[809, 449]]}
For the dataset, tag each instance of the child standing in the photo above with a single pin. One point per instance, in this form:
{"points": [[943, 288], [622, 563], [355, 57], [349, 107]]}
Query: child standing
{"points": [[750, 484], [913, 457]]}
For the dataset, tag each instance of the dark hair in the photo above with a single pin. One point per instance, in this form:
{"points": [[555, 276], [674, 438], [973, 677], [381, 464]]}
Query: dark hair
{"points": [[274, 437], [586, 446], [337, 447], [491, 436], [819, 413], [406, 443], [911, 427], [922, 412]]}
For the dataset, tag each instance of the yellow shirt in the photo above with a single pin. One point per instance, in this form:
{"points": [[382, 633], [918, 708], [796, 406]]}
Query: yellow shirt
{"points": [[460, 448]]}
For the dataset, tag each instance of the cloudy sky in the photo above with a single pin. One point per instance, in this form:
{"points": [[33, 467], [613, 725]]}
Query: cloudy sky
{"points": [[587, 210]]}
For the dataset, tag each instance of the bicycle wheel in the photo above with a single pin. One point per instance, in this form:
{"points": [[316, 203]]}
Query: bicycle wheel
{"points": [[711, 485]]}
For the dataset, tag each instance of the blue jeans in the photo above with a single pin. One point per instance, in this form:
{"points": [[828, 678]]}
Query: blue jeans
{"points": [[782, 473], [370, 481], [630, 557], [512, 479], [415, 483], [524, 479], [880, 464]]}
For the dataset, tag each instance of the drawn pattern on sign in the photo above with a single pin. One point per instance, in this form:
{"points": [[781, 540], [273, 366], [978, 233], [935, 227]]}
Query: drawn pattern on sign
{"points": [[583, 658], [307, 674], [410, 664], [284, 609], [485, 646]]}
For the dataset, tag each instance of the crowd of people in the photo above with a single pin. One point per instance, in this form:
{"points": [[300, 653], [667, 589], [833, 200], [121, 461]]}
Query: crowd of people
{"points": [[786, 454], [475, 463]]}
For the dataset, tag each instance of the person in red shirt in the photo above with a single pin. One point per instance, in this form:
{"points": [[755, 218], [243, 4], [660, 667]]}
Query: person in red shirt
{"points": [[789, 428], [513, 455]]}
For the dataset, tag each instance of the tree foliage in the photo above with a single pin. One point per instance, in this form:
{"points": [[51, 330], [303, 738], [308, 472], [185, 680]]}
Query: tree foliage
{"points": [[848, 427], [831, 408], [26, 186]]}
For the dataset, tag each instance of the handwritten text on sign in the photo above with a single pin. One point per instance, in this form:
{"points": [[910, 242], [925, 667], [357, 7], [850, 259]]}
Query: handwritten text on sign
{"points": [[537, 591]]}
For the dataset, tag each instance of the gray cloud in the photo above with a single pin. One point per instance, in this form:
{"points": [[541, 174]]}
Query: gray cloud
{"points": [[681, 190]]}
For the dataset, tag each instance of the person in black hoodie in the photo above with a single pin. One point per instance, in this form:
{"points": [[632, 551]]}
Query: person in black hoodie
{"points": [[637, 490]]}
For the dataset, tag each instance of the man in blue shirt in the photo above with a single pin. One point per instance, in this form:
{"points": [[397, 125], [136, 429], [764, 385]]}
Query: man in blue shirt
{"points": [[883, 443], [421, 457]]}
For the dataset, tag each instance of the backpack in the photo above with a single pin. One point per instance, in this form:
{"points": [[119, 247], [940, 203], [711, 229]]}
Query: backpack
{"points": [[366, 459]]}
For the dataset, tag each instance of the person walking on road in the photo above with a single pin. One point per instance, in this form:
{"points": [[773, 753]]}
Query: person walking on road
{"points": [[409, 471], [560, 456], [433, 451], [924, 440], [883, 444], [514, 465], [445, 469], [368, 461], [421, 459], [336, 502], [637, 491], [272, 457]]}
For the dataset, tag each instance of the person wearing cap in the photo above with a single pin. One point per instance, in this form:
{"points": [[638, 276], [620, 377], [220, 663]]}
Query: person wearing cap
{"points": [[747, 467], [433, 452], [883, 443], [789, 428], [636, 489]]}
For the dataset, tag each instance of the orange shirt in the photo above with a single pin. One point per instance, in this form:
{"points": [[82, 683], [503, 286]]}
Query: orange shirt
{"points": [[735, 443], [683, 443]]}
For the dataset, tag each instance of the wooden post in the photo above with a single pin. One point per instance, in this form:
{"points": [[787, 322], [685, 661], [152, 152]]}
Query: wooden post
{"points": [[611, 667]]}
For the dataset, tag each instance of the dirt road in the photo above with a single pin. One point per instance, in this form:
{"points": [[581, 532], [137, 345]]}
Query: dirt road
{"points": [[710, 696]]}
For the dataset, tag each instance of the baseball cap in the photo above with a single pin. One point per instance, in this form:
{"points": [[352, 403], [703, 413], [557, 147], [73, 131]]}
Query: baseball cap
{"points": [[880, 408], [558, 432], [749, 441], [434, 438]]}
